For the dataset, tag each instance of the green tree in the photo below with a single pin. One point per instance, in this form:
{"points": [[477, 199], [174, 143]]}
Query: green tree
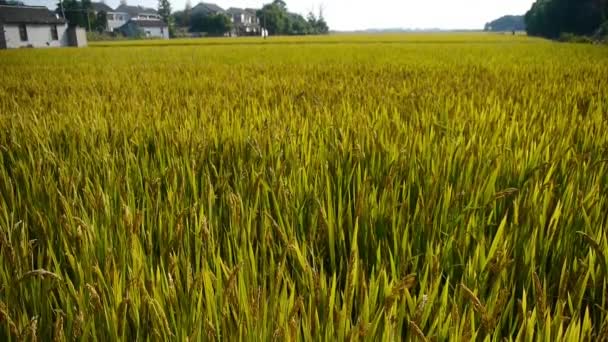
{"points": [[274, 17], [164, 10], [280, 4], [298, 25], [77, 13], [214, 25], [506, 23], [321, 26], [101, 21], [180, 19], [317, 24], [552, 18]]}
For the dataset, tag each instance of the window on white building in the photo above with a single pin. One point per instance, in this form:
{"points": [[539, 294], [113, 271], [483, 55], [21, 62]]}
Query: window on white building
{"points": [[23, 32], [54, 35]]}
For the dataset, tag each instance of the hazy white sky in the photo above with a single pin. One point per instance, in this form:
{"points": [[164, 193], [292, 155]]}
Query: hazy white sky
{"points": [[363, 14]]}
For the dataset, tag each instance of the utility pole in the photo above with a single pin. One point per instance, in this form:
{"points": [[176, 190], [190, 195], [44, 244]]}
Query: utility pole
{"points": [[86, 12], [62, 11]]}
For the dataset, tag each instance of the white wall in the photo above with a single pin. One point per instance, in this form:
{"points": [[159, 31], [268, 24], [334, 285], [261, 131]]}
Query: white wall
{"points": [[80, 35], [37, 35], [147, 16], [155, 32], [114, 22]]}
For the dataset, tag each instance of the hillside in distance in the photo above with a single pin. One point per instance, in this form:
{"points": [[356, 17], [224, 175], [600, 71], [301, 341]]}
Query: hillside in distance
{"points": [[507, 23]]}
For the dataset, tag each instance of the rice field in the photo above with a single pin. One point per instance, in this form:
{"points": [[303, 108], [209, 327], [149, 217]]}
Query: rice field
{"points": [[381, 188]]}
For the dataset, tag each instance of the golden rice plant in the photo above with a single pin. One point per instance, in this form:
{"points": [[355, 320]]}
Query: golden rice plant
{"points": [[429, 187]]}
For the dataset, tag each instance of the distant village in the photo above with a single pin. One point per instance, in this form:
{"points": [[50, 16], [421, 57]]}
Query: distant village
{"points": [[69, 23], [138, 21]]}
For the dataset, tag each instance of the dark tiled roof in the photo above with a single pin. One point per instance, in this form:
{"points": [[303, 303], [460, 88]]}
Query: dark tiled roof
{"points": [[234, 10], [28, 15], [148, 23], [207, 8], [135, 10], [100, 6]]}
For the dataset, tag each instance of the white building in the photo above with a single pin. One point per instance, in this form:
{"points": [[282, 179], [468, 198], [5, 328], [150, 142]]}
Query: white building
{"points": [[26, 26], [207, 9], [115, 18], [245, 22], [123, 13], [133, 21], [145, 28]]}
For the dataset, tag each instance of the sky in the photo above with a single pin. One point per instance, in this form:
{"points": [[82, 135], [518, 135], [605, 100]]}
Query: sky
{"points": [[347, 15]]}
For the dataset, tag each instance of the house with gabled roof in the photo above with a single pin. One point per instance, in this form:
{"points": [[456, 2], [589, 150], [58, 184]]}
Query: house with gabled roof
{"points": [[208, 9], [101, 7], [115, 19], [145, 28], [133, 21], [138, 12], [143, 22], [124, 13], [36, 26], [245, 21]]}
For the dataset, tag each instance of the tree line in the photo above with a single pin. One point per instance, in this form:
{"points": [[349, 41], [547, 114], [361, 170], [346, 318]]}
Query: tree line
{"points": [[279, 21], [274, 17], [552, 18], [506, 23], [214, 24], [81, 13]]}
